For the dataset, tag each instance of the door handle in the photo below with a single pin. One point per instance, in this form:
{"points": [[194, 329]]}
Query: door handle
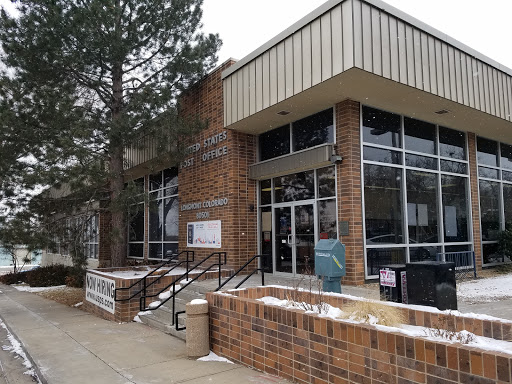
{"points": [[291, 239]]}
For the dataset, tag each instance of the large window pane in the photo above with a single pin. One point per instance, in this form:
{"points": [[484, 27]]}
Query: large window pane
{"points": [[266, 239], [422, 207], [489, 209], [454, 167], [490, 173], [170, 177], [420, 161], [375, 258], [294, 187], [136, 250], [136, 228], [326, 182], [381, 127], [274, 143], [171, 217], [455, 208], [155, 221], [383, 205], [507, 205], [452, 143], [313, 130], [424, 253], [327, 219], [155, 181], [265, 192], [382, 155], [506, 156], [487, 152], [419, 136]]}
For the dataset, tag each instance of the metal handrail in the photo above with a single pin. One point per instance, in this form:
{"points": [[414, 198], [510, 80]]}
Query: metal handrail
{"points": [[249, 275], [142, 299], [145, 286]]}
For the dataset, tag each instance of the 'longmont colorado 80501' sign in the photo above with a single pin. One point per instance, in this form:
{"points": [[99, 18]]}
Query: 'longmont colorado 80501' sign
{"points": [[100, 291]]}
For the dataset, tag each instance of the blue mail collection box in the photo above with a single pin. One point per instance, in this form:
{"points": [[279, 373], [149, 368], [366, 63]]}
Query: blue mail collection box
{"points": [[330, 258]]}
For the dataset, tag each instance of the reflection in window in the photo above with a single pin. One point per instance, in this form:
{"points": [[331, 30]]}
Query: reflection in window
{"points": [[452, 143], [507, 205], [487, 152], [375, 258], [171, 215], [136, 227], [313, 130], [424, 253], [326, 182], [420, 161], [419, 136], [266, 239], [380, 127], [422, 207], [274, 143], [455, 210], [382, 155], [489, 209], [265, 192], [383, 204], [489, 173], [294, 187], [454, 167], [327, 219]]}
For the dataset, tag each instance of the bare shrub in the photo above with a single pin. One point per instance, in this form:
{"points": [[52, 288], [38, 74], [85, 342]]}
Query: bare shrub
{"points": [[372, 312], [439, 330], [307, 293]]}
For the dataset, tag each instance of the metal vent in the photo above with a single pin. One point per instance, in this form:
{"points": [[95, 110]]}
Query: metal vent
{"points": [[283, 113], [442, 111]]}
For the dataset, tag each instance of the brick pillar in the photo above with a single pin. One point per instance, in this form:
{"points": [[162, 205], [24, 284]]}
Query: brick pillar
{"points": [[104, 240], [349, 188], [475, 203]]}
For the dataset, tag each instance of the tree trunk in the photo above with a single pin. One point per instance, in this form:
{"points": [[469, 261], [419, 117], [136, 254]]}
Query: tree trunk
{"points": [[118, 222]]}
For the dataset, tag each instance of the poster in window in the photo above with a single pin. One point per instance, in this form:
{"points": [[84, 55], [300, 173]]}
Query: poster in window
{"points": [[204, 234]]}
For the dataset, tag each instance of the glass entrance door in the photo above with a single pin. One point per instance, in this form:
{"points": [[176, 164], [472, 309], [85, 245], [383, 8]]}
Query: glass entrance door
{"points": [[294, 239]]}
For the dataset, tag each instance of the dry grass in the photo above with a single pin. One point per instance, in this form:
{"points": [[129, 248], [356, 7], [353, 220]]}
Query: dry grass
{"points": [[64, 295], [372, 312]]}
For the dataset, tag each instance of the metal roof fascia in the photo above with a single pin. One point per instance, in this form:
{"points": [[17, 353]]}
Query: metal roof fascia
{"points": [[378, 4]]}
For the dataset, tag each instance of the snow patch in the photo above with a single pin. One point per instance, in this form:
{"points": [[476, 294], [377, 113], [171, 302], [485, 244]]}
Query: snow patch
{"points": [[144, 313], [154, 304], [137, 319], [198, 301], [185, 281], [26, 288], [486, 290], [78, 304], [213, 357]]}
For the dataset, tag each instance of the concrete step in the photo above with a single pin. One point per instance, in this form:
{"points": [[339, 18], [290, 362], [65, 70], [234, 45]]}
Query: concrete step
{"points": [[156, 323]]}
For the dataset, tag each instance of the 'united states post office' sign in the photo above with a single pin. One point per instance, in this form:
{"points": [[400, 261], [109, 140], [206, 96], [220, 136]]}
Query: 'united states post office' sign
{"points": [[100, 291]]}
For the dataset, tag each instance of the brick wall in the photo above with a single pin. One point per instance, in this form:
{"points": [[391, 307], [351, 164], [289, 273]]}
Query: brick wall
{"points": [[475, 202], [349, 188], [306, 348], [223, 177]]}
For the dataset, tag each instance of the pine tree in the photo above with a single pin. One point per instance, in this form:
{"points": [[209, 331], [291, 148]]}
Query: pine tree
{"points": [[82, 79]]}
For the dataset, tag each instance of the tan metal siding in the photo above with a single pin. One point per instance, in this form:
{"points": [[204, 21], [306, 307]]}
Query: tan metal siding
{"points": [[356, 34], [266, 79], [306, 57], [348, 35], [297, 62], [337, 41], [325, 32], [316, 52]]}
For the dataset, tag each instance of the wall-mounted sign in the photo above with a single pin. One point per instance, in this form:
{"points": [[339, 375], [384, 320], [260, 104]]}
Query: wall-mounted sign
{"points": [[204, 234], [210, 154], [100, 291], [220, 202]]}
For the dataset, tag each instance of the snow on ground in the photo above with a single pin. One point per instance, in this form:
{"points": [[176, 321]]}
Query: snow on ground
{"points": [[486, 290], [140, 273], [213, 357], [27, 288], [16, 348]]}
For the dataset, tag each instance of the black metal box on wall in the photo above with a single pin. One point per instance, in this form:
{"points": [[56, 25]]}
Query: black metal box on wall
{"points": [[432, 283], [393, 283]]}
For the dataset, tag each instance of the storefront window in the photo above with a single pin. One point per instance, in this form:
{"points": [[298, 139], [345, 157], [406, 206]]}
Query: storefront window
{"points": [[326, 182], [422, 207], [265, 192], [294, 187], [487, 152], [419, 136], [136, 222], [313, 130], [327, 214], [306, 133], [431, 202], [489, 209], [383, 205], [381, 127]]}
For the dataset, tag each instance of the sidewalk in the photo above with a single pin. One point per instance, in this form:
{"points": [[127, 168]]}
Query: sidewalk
{"points": [[71, 346]]}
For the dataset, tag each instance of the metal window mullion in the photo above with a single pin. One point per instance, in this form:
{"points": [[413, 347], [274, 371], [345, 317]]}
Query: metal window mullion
{"points": [[362, 164], [440, 212], [405, 218]]}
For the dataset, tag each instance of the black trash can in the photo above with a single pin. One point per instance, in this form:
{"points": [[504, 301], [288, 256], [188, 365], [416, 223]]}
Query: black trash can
{"points": [[393, 283], [432, 283]]}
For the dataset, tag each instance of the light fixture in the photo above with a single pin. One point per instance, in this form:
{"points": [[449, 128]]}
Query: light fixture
{"points": [[442, 112], [283, 113]]}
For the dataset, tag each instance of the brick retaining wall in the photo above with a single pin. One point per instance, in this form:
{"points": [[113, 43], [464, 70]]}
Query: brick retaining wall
{"points": [[311, 349]]}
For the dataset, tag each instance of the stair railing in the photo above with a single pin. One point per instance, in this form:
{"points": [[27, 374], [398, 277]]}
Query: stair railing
{"points": [[260, 269], [145, 285], [221, 261]]}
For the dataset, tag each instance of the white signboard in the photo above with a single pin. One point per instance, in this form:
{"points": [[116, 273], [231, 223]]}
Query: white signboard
{"points": [[387, 278], [204, 234], [100, 291]]}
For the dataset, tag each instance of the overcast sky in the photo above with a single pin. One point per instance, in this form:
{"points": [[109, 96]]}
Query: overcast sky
{"points": [[244, 25]]}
